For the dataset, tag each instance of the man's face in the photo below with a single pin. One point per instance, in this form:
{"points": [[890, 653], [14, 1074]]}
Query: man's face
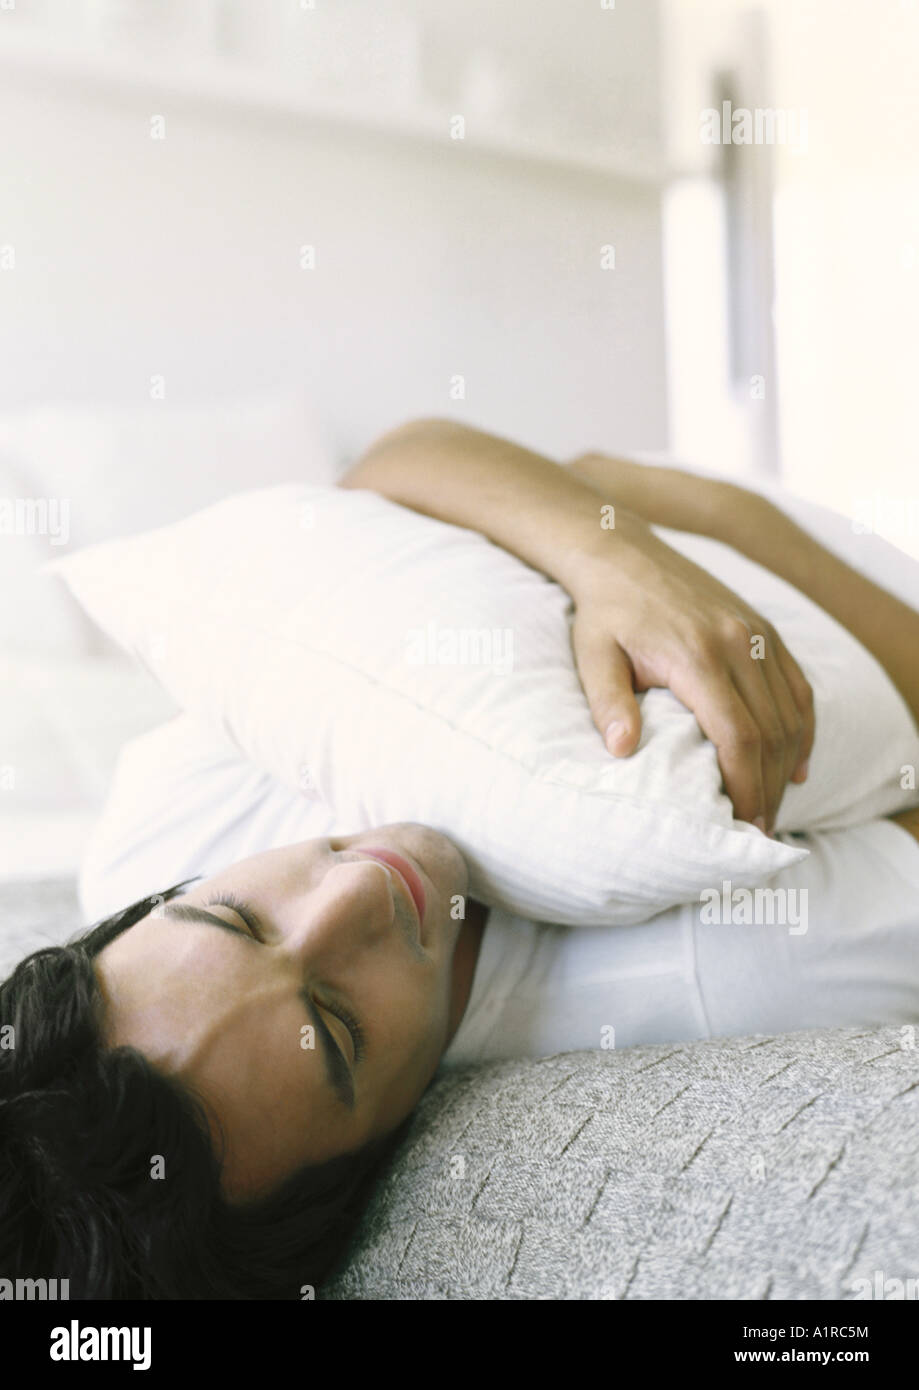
{"points": [[256, 1028]]}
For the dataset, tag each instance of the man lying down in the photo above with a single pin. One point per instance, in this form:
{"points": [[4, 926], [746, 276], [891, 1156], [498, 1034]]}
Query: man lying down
{"points": [[160, 1138]]}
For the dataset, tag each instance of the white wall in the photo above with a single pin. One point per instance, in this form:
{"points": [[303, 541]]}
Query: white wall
{"points": [[136, 257]]}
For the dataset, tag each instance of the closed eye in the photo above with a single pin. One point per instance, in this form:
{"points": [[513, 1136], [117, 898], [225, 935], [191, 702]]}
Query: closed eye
{"points": [[339, 1066], [342, 1015], [231, 901]]}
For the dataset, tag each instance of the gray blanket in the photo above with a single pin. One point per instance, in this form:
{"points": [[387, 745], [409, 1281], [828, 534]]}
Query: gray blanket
{"points": [[743, 1168]]}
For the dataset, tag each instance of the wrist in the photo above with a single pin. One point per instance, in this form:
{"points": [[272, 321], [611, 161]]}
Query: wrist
{"points": [[585, 568], [742, 519], [665, 496]]}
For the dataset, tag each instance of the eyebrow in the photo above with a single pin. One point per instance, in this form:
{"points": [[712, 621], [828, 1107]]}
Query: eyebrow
{"points": [[337, 1071]]}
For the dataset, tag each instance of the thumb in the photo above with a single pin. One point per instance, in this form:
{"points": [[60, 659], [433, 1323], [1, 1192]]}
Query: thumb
{"points": [[607, 677]]}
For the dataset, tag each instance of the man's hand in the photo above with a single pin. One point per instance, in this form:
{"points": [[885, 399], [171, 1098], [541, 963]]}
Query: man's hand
{"points": [[646, 616]]}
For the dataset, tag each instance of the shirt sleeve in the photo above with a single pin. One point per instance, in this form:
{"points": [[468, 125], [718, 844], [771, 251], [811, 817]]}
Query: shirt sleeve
{"points": [[832, 942]]}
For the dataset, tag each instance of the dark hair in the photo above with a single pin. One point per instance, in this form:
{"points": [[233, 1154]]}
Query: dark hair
{"points": [[79, 1124]]}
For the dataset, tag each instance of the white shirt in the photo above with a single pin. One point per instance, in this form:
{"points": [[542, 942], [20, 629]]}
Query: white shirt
{"points": [[539, 990], [185, 801]]}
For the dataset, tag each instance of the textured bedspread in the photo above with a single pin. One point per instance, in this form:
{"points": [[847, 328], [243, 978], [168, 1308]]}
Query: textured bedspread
{"points": [[745, 1168]]}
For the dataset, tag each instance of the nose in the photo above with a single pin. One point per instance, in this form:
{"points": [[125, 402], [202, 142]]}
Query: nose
{"points": [[351, 908]]}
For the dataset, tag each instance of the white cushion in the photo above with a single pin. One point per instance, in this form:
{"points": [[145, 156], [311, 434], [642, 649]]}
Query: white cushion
{"points": [[340, 641]]}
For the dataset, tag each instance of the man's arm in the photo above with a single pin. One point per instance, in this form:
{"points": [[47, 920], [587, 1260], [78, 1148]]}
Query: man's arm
{"points": [[644, 615], [521, 500]]}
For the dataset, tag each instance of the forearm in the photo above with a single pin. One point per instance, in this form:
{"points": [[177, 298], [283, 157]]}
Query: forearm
{"points": [[887, 627], [521, 500]]}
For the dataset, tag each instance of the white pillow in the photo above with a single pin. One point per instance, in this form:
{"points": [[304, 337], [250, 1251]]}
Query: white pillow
{"points": [[338, 640]]}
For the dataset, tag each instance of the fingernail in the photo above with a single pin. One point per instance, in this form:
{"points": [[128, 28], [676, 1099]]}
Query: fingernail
{"points": [[760, 824], [802, 770], [613, 733]]}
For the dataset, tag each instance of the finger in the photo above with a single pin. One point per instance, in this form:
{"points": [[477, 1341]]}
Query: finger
{"points": [[803, 696], [723, 716], [753, 688], [751, 652], [789, 714], [607, 677]]}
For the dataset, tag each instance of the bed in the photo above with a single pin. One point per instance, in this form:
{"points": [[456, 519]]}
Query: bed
{"points": [[744, 1168]]}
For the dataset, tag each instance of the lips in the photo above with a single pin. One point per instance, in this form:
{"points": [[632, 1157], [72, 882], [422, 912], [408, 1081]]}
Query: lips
{"points": [[405, 871]]}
